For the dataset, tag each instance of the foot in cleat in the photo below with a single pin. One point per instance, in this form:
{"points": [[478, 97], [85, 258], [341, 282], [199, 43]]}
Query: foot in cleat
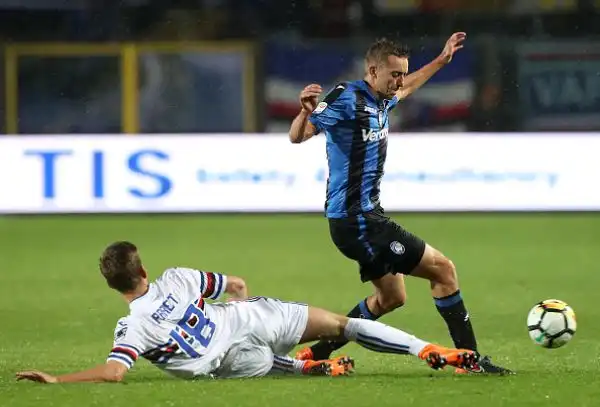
{"points": [[339, 366], [305, 354], [485, 366], [317, 368], [345, 361], [437, 357]]}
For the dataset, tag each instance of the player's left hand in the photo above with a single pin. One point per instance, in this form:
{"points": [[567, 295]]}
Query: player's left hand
{"points": [[454, 43], [36, 376]]}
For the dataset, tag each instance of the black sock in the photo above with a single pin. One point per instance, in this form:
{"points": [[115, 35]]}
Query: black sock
{"points": [[324, 349], [452, 309]]}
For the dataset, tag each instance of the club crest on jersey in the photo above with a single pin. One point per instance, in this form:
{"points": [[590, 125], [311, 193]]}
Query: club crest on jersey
{"points": [[397, 247], [320, 107], [120, 333], [374, 135]]}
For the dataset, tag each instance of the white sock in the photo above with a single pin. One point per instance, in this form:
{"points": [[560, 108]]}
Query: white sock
{"points": [[379, 337], [285, 364]]}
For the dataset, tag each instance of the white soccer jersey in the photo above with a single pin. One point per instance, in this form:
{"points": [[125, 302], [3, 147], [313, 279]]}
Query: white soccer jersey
{"points": [[173, 328]]}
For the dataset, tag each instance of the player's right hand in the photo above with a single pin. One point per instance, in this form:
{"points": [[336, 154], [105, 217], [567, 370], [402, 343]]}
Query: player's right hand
{"points": [[309, 97], [36, 376]]}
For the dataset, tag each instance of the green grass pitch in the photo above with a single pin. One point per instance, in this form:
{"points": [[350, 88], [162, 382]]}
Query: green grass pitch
{"points": [[58, 315]]}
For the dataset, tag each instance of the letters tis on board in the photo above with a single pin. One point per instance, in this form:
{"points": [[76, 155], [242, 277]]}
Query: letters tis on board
{"points": [[52, 163]]}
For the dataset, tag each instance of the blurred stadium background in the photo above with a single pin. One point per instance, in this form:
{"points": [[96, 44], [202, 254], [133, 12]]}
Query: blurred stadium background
{"points": [[205, 66], [162, 107]]}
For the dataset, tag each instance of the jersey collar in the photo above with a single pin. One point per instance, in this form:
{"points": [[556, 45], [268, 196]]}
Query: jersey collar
{"points": [[144, 298], [366, 88]]}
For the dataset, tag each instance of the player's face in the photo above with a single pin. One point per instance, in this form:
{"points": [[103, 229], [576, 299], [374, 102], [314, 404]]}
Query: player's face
{"points": [[390, 76]]}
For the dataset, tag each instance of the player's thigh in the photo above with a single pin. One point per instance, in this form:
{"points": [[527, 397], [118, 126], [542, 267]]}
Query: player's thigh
{"points": [[281, 324], [394, 251], [401, 250], [323, 324], [355, 238], [246, 359], [349, 237]]}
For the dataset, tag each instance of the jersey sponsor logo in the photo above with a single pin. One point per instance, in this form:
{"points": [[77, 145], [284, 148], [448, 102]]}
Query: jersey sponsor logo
{"points": [[371, 110], [320, 107], [374, 135], [397, 247]]}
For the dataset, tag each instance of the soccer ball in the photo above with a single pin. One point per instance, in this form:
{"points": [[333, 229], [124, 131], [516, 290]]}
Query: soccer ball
{"points": [[551, 323]]}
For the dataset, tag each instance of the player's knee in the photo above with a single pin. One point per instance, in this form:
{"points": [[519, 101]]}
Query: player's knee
{"points": [[336, 327], [323, 324], [447, 271], [387, 302]]}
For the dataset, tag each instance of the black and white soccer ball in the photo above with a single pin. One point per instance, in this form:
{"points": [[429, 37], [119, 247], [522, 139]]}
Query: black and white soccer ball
{"points": [[551, 323]]}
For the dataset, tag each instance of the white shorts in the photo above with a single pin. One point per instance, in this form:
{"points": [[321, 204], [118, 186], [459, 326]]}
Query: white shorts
{"points": [[266, 327]]}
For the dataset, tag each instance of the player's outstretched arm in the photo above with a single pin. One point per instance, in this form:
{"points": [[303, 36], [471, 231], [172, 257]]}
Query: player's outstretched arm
{"points": [[302, 129], [111, 371], [417, 79]]}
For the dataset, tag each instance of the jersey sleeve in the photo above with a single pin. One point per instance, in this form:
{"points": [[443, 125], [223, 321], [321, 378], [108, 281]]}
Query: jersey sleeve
{"points": [[211, 285], [127, 344], [337, 106]]}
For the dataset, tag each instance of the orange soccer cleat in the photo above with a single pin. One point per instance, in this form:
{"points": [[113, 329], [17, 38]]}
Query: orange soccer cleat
{"points": [[305, 354], [437, 357], [340, 366]]}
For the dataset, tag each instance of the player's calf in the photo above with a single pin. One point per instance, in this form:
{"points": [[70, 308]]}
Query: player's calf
{"points": [[382, 338], [441, 272], [379, 337], [390, 294]]}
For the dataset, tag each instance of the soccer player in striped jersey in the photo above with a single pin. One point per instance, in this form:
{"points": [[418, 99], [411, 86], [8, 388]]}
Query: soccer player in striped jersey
{"points": [[171, 325], [354, 117]]}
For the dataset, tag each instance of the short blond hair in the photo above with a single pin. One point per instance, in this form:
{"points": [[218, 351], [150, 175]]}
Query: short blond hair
{"points": [[382, 48]]}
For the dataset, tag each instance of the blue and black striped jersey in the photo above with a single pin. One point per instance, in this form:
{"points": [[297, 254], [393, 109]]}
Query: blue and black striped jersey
{"points": [[355, 122]]}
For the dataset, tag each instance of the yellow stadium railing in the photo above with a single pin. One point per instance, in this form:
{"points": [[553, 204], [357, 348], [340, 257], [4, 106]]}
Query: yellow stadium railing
{"points": [[558, 5], [129, 61]]}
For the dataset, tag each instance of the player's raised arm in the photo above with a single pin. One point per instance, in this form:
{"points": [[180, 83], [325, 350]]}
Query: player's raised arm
{"points": [[302, 129], [336, 107], [417, 79]]}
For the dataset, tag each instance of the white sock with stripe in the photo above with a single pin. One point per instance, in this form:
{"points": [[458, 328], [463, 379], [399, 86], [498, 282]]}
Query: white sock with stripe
{"points": [[383, 338], [285, 364]]}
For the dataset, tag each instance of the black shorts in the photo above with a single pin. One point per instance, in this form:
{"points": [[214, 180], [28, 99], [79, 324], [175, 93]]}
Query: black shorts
{"points": [[377, 244]]}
